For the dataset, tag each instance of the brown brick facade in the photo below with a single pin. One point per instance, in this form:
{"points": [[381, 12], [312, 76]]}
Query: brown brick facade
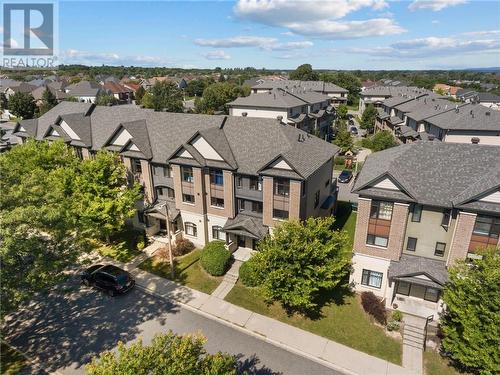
{"points": [[294, 203], [461, 237], [147, 181], [267, 201], [227, 193], [196, 190], [396, 234]]}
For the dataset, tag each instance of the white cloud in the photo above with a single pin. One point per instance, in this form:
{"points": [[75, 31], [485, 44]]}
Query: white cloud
{"points": [[431, 47], [268, 44], [318, 18], [13, 43], [237, 41], [485, 33], [74, 56], [434, 5], [216, 55]]}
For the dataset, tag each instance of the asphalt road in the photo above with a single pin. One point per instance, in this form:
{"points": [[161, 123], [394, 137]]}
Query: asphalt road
{"points": [[62, 331]]}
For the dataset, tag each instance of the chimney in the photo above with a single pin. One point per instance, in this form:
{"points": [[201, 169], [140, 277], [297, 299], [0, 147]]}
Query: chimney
{"points": [[474, 140], [244, 114]]}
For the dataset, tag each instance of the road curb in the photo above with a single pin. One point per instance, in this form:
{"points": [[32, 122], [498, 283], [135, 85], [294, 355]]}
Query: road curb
{"points": [[257, 335]]}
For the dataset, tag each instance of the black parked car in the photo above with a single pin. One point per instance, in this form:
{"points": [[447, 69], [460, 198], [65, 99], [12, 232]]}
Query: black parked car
{"points": [[111, 279], [354, 130], [345, 176]]}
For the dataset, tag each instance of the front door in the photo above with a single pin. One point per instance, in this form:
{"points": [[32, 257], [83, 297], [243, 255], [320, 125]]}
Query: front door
{"points": [[163, 225], [241, 241]]}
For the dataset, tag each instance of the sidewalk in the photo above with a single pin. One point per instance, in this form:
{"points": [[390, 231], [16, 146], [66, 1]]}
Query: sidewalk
{"points": [[309, 345]]}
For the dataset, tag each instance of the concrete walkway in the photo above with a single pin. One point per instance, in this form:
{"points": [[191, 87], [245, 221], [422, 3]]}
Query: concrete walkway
{"points": [[309, 345], [413, 342], [229, 280]]}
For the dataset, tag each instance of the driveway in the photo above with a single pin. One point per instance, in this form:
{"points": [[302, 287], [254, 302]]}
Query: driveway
{"points": [[63, 330], [344, 193]]}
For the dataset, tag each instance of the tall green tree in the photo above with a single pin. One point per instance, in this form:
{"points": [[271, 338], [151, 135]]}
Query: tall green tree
{"points": [[139, 94], [347, 81], [380, 141], [168, 354], [343, 139], [165, 96], [51, 203], [304, 72], [216, 96], [22, 105], [301, 260], [342, 111], [49, 101], [4, 103], [105, 99], [368, 118], [471, 324]]}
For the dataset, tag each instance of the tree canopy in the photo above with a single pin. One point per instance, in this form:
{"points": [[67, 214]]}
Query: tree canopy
{"points": [[368, 118], [168, 354], [343, 137], [51, 203], [380, 141], [139, 94], [216, 96], [471, 324], [300, 261], [347, 81], [49, 101], [22, 105], [304, 72], [105, 99], [164, 96]]}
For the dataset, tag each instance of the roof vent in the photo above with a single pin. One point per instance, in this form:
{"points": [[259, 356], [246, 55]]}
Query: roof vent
{"points": [[474, 140], [488, 113], [244, 114], [431, 137]]}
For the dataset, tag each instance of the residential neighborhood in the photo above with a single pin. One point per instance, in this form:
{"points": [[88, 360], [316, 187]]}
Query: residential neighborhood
{"points": [[253, 187]]}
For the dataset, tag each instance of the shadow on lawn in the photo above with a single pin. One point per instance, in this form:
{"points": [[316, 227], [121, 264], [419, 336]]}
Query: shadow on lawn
{"points": [[344, 209], [66, 329]]}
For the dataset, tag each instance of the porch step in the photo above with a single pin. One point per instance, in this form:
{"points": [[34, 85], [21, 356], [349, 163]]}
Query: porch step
{"points": [[234, 272]]}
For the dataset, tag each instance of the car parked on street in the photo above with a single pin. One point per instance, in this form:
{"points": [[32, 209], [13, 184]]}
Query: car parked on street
{"points": [[354, 130], [345, 176], [111, 279]]}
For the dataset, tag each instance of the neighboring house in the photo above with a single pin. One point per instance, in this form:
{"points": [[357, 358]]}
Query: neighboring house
{"points": [[488, 86], [181, 83], [337, 94], [377, 94], [486, 99], [21, 87], [446, 89], [119, 91], [38, 93], [84, 91], [204, 177], [306, 110], [421, 207], [7, 138]]}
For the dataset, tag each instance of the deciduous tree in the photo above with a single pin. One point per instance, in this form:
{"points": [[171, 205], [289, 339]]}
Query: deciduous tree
{"points": [[347, 81], [301, 260], [304, 72], [471, 324], [164, 96], [380, 141], [22, 105], [168, 354], [216, 96], [368, 118]]}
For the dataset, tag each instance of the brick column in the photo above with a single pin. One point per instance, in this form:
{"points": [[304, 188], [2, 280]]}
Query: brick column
{"points": [[398, 230], [294, 205], [362, 219], [85, 153], [176, 176], [148, 181], [267, 201], [461, 237], [229, 194]]}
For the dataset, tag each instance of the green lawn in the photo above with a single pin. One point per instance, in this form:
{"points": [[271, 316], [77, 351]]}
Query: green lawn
{"points": [[188, 271], [343, 321], [11, 362], [435, 364], [345, 219], [123, 246]]}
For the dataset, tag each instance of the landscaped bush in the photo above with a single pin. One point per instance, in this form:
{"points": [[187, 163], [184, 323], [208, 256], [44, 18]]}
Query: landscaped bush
{"points": [[339, 160], [249, 275], [397, 315], [215, 258], [182, 247], [374, 306], [393, 325]]}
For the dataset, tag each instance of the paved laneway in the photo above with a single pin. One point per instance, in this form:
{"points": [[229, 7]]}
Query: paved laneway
{"points": [[63, 331]]}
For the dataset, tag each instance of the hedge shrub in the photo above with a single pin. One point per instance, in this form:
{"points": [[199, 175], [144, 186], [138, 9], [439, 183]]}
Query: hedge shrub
{"points": [[215, 258], [249, 275], [182, 247], [374, 306]]}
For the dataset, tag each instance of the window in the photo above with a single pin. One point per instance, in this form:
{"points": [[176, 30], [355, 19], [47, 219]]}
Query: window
{"points": [[140, 217], [217, 202], [159, 192], [411, 245], [431, 294], [188, 198], [316, 199], [372, 278], [190, 229], [217, 233], [136, 166], [187, 174], [487, 226], [257, 207], [416, 215], [78, 152], [239, 182], [241, 205], [281, 187], [373, 239], [445, 222], [440, 248], [170, 193], [381, 210], [280, 214], [255, 183], [167, 171], [216, 177], [403, 288]]}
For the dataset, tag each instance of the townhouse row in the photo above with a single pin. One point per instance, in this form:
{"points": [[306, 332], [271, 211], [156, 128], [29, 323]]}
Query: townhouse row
{"points": [[421, 207], [204, 177]]}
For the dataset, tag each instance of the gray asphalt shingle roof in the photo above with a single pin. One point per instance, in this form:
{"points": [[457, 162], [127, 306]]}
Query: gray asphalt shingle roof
{"points": [[318, 86], [481, 118], [433, 173], [246, 144], [411, 265], [275, 98]]}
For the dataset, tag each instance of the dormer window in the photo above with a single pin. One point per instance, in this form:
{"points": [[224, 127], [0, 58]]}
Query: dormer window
{"points": [[187, 174], [216, 177]]}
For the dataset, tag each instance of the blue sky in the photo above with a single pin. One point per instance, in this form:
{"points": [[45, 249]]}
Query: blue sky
{"points": [[342, 34]]}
